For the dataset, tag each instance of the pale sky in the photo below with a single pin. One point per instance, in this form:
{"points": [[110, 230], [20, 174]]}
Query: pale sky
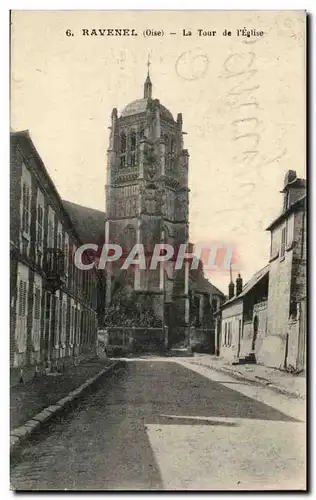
{"points": [[64, 88]]}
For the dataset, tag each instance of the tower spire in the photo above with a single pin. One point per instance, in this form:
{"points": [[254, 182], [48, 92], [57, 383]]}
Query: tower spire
{"points": [[148, 84]]}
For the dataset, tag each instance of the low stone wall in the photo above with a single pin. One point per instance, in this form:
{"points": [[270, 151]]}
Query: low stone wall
{"points": [[134, 339]]}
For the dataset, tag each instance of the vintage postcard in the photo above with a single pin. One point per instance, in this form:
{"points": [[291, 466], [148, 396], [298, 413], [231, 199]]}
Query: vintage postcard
{"points": [[158, 250]]}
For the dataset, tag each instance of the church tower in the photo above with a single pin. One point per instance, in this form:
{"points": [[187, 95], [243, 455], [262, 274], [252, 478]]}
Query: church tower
{"points": [[147, 189]]}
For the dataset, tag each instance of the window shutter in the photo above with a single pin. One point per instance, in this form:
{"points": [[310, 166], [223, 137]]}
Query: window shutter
{"points": [[57, 323], [22, 300], [37, 318], [21, 317]]}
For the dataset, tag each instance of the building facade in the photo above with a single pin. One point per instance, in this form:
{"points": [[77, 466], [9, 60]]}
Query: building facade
{"points": [[53, 303]]}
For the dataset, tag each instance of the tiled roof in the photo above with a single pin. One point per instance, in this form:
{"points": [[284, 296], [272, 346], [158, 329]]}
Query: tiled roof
{"points": [[89, 223], [249, 285]]}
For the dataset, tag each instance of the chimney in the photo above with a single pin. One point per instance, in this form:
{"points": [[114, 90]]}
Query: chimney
{"points": [[231, 290], [238, 284], [231, 286]]}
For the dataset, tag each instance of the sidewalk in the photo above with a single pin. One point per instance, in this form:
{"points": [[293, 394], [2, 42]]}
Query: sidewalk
{"points": [[281, 381], [26, 400]]}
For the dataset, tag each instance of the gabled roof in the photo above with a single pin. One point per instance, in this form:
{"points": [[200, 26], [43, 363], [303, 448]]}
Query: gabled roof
{"points": [[256, 278], [89, 223]]}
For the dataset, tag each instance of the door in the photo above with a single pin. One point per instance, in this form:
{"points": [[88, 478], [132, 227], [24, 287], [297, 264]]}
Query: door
{"points": [[255, 333]]}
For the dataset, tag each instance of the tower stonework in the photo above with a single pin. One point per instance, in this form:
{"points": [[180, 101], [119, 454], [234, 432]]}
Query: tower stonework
{"points": [[147, 192]]}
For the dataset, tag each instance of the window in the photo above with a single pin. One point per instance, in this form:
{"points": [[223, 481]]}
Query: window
{"points": [[40, 226], [26, 208], [225, 336], [60, 237], [37, 295], [283, 242], [66, 253]]}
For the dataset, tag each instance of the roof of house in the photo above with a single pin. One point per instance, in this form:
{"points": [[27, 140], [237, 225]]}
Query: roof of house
{"points": [[90, 223], [299, 204], [203, 285], [28, 147], [258, 276]]}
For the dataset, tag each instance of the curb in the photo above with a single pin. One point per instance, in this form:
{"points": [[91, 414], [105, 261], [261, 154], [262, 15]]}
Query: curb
{"points": [[20, 434], [256, 380]]}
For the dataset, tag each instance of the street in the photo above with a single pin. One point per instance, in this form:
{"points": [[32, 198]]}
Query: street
{"points": [[160, 425]]}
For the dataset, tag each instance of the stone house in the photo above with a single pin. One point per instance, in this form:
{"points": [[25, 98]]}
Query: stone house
{"points": [[266, 321], [53, 318], [285, 345], [242, 320]]}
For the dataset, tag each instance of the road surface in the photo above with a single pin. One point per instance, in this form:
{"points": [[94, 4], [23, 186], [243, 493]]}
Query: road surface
{"points": [[161, 425]]}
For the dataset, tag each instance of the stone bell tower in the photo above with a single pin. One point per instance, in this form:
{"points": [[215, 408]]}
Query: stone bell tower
{"points": [[147, 188]]}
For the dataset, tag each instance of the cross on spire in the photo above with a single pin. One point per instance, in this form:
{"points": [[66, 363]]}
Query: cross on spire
{"points": [[148, 63]]}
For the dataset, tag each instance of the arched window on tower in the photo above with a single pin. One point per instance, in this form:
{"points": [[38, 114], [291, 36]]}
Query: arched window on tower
{"points": [[172, 152], [133, 149], [123, 150], [133, 141], [167, 155], [123, 143]]}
